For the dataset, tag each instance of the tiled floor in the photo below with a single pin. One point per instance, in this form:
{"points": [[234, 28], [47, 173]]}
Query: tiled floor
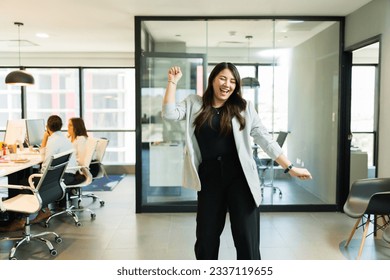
{"points": [[118, 233]]}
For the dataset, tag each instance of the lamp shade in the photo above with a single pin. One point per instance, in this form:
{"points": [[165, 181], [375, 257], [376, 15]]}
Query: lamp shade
{"points": [[19, 78], [250, 82]]}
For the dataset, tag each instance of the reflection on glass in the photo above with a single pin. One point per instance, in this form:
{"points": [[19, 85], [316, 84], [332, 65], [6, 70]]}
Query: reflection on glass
{"points": [[163, 141]]}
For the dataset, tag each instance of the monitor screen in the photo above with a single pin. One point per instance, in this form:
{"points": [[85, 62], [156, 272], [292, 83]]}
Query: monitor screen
{"points": [[35, 130], [15, 132]]}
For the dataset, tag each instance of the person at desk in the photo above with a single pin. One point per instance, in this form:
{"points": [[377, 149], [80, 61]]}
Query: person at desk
{"points": [[54, 142], [218, 160]]}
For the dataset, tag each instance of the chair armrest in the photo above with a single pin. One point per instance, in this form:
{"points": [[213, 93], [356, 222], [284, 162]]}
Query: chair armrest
{"points": [[31, 177], [85, 171], [2, 208], [15, 187]]}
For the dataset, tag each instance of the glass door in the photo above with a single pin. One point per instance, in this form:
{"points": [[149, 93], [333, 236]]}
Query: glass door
{"points": [[162, 140], [364, 112], [296, 66]]}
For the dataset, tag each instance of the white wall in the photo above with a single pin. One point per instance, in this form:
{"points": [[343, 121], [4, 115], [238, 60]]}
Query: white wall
{"points": [[367, 22], [313, 107]]}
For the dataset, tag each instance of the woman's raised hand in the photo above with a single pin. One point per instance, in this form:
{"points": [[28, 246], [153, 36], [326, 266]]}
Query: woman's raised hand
{"points": [[174, 74]]}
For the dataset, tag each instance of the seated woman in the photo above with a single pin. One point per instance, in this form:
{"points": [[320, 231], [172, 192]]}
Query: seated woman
{"points": [[78, 135]]}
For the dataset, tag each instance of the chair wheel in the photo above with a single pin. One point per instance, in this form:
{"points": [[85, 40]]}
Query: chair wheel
{"points": [[53, 252], [46, 225], [102, 203], [13, 259], [93, 216], [58, 239], [78, 224]]}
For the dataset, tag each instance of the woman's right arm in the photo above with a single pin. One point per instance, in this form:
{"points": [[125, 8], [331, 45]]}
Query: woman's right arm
{"points": [[46, 135], [170, 109]]}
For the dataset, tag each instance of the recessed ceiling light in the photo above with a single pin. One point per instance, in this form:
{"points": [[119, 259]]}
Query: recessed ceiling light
{"points": [[296, 21], [42, 35]]}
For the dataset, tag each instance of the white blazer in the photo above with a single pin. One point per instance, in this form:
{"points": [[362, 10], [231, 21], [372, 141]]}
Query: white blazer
{"points": [[189, 108]]}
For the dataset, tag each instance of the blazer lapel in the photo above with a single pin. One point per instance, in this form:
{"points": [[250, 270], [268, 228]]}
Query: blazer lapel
{"points": [[196, 109], [236, 132]]}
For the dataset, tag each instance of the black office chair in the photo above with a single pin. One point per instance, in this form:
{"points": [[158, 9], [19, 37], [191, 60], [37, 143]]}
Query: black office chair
{"points": [[33, 198], [368, 197], [265, 164], [74, 192]]}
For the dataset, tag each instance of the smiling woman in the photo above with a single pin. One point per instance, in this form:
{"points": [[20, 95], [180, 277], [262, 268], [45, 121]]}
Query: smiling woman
{"points": [[218, 160]]}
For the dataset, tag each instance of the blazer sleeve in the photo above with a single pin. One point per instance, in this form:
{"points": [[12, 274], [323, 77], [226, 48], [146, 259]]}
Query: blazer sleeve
{"points": [[175, 112], [260, 134]]}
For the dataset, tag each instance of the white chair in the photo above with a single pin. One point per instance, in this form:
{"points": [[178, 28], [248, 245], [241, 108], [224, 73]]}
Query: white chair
{"points": [[100, 151], [33, 198], [74, 192], [98, 157]]}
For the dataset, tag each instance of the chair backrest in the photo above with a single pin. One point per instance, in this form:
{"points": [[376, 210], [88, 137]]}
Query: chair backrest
{"points": [[50, 188], [101, 147], [281, 138], [96, 167], [89, 151], [370, 196]]}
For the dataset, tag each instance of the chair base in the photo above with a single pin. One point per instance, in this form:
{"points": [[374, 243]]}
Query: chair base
{"points": [[365, 226], [70, 210], [263, 185], [94, 198], [274, 188], [27, 237]]}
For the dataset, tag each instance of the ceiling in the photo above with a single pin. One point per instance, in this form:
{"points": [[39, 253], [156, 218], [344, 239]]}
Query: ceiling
{"points": [[107, 25]]}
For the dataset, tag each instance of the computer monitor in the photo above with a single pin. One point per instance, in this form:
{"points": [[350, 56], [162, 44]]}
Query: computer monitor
{"points": [[35, 130], [15, 132]]}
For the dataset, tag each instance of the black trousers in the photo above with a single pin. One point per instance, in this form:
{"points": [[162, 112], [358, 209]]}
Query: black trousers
{"points": [[225, 189]]}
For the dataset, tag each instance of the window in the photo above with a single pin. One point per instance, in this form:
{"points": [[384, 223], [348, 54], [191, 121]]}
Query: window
{"points": [[109, 110], [104, 98], [56, 91]]}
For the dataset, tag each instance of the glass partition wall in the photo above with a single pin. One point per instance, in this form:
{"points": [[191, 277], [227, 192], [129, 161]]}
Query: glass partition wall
{"points": [[297, 66]]}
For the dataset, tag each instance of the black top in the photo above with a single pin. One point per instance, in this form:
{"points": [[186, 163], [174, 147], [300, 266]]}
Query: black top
{"points": [[212, 143]]}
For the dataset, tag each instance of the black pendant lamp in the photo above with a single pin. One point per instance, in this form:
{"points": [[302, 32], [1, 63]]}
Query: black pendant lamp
{"points": [[19, 77], [249, 81]]}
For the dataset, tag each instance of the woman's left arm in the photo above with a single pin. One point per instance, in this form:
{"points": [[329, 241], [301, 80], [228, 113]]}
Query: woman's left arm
{"points": [[264, 139]]}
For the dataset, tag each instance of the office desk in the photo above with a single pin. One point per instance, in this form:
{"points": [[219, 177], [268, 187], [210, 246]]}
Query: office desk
{"points": [[17, 171], [12, 167]]}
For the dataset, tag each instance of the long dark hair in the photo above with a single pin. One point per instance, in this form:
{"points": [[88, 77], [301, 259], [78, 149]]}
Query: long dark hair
{"points": [[232, 107], [78, 127]]}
